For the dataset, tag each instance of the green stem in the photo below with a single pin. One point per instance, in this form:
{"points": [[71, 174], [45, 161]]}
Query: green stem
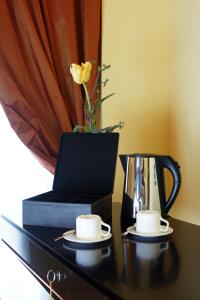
{"points": [[95, 84], [87, 96], [91, 117]]}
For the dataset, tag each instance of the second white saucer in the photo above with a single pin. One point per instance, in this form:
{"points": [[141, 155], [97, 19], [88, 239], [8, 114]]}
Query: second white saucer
{"points": [[132, 230]]}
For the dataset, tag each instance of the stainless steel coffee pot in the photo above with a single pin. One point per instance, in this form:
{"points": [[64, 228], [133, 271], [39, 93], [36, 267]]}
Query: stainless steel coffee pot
{"points": [[144, 184]]}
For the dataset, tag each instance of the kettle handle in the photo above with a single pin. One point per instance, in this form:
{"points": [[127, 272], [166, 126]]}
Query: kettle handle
{"points": [[174, 168]]}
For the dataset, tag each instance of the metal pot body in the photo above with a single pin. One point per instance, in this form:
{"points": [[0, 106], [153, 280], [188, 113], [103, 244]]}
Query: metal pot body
{"points": [[144, 183]]}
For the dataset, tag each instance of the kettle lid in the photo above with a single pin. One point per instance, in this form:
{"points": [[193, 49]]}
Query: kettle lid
{"points": [[146, 155]]}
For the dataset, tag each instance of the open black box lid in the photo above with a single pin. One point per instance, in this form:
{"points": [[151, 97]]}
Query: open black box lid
{"points": [[83, 182], [86, 163]]}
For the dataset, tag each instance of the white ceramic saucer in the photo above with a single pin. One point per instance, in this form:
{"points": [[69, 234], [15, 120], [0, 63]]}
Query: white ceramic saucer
{"points": [[71, 237], [132, 230]]}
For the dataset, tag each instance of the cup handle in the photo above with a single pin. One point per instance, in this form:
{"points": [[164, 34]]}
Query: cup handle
{"points": [[109, 229], [166, 246], [107, 252], [167, 225]]}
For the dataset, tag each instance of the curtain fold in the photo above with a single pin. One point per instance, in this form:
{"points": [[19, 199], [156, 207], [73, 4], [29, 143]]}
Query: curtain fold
{"points": [[38, 42]]}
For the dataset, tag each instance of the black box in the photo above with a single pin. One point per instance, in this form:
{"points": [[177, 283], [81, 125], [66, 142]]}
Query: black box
{"points": [[83, 182], [59, 210]]}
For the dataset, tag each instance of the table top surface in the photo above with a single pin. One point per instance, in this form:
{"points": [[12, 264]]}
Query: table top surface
{"points": [[126, 268]]}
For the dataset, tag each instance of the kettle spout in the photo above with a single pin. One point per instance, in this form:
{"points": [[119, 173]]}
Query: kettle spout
{"points": [[123, 159]]}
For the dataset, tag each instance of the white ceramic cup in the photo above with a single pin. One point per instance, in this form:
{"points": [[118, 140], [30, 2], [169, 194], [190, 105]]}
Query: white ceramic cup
{"points": [[89, 227], [148, 221]]}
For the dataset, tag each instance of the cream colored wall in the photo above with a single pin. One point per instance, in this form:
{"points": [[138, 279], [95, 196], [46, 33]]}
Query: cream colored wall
{"points": [[184, 107], [154, 49], [136, 44]]}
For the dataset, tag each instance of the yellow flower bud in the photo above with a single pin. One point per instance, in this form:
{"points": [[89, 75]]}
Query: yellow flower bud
{"points": [[81, 74]]}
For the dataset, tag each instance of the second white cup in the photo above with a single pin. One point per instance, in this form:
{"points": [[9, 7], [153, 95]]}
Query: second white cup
{"points": [[148, 221], [89, 227]]}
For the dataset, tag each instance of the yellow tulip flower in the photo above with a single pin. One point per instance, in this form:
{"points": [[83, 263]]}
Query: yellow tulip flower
{"points": [[81, 73]]}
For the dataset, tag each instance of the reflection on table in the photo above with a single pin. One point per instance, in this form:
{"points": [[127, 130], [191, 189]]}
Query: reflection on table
{"points": [[150, 264]]}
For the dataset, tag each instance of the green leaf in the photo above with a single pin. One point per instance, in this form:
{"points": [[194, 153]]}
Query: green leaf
{"points": [[87, 128], [106, 97], [77, 128], [100, 101], [103, 68], [111, 128]]}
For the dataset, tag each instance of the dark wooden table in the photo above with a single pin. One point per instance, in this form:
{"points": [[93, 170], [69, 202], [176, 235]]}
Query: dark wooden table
{"points": [[119, 269]]}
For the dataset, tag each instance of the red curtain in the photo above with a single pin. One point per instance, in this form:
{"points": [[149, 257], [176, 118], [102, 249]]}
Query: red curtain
{"points": [[39, 39]]}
